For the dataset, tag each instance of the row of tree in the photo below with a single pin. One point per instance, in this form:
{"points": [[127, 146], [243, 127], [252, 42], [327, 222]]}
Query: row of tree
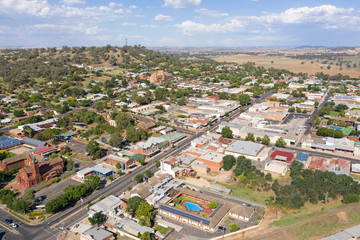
{"points": [[72, 194]]}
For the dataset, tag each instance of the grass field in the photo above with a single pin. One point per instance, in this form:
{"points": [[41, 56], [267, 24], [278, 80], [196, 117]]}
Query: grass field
{"points": [[334, 114], [115, 72], [161, 229], [294, 65], [308, 211], [327, 225], [249, 194]]}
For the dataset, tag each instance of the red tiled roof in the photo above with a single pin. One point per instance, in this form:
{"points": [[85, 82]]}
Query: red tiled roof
{"points": [[42, 150], [289, 156]]}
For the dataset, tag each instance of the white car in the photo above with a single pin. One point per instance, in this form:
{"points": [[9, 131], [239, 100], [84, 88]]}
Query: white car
{"points": [[14, 225]]}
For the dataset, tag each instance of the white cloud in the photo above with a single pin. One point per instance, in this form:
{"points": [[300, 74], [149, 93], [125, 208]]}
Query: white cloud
{"points": [[70, 29], [181, 3], [70, 2], [132, 7], [114, 4], [190, 27], [42, 8], [161, 17], [326, 16], [211, 13], [128, 24], [149, 26]]}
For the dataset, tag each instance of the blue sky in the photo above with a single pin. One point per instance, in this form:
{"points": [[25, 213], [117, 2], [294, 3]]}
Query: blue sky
{"points": [[203, 23]]}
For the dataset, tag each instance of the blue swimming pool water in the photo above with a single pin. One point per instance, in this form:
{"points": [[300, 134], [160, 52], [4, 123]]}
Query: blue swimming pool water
{"points": [[193, 206]]}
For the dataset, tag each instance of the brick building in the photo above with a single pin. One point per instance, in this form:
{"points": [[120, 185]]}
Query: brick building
{"points": [[113, 160], [37, 170]]}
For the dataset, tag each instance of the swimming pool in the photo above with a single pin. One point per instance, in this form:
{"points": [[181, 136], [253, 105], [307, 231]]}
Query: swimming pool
{"points": [[192, 206]]}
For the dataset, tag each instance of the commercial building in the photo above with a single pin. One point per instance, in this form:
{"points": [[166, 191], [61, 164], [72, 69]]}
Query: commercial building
{"points": [[107, 206], [335, 165], [282, 156], [149, 147], [97, 233], [97, 169], [7, 142], [250, 150], [113, 160], [211, 223]]}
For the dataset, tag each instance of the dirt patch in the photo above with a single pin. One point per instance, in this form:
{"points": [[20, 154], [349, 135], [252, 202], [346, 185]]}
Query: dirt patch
{"points": [[342, 217], [197, 182], [19, 150]]}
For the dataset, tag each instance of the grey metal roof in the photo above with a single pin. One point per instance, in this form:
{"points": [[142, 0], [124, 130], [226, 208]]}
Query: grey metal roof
{"points": [[7, 142], [185, 215], [98, 233], [221, 189], [245, 147], [33, 142]]}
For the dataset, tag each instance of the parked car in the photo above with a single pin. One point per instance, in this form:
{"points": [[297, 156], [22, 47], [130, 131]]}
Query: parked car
{"points": [[9, 221], [14, 225], [129, 172]]}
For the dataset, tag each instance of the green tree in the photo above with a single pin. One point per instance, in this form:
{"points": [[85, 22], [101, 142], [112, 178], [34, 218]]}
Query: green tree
{"points": [[148, 173], [111, 177], [250, 137], [145, 236], [181, 102], [350, 198], [141, 160], [119, 172], [268, 177], [233, 227], [144, 212], [118, 165], [123, 120], [139, 177], [133, 204], [28, 131], [280, 142], [92, 182], [29, 197], [18, 113], [265, 140], [116, 140], [213, 205], [244, 99], [229, 162], [98, 218], [94, 149], [157, 163], [226, 132]]}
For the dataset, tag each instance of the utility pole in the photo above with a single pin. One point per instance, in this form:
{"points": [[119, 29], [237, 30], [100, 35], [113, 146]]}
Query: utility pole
{"points": [[125, 42]]}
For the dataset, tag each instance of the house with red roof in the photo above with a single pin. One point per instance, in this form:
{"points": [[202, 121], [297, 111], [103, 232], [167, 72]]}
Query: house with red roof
{"points": [[282, 156]]}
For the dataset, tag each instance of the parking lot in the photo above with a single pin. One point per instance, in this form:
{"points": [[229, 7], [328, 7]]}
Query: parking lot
{"points": [[77, 147], [55, 189]]}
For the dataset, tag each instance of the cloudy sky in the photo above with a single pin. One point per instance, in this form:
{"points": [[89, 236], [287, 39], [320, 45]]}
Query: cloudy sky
{"points": [[180, 22]]}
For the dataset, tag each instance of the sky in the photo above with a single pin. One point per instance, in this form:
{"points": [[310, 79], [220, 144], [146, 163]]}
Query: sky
{"points": [[182, 23]]}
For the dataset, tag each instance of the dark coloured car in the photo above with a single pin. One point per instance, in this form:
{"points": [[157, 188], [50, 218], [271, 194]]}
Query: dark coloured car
{"points": [[9, 221]]}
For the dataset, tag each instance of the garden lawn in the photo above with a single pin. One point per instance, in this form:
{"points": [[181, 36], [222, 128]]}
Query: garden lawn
{"points": [[334, 114], [161, 229], [249, 194]]}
